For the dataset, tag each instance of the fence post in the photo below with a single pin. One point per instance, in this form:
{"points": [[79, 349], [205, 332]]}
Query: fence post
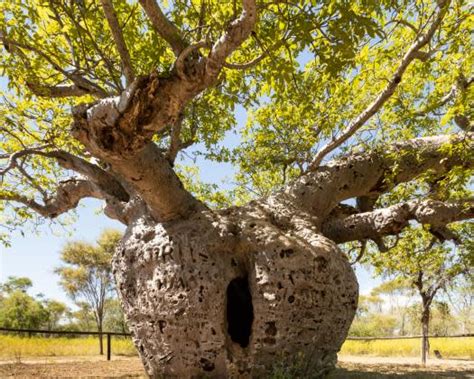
{"points": [[109, 347]]}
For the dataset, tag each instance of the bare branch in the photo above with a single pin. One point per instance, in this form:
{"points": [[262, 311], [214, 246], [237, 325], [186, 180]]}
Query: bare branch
{"points": [[119, 40], [461, 85], [387, 92], [166, 29], [77, 79], [392, 220], [105, 181], [175, 141], [57, 91], [237, 32], [257, 60], [67, 196]]}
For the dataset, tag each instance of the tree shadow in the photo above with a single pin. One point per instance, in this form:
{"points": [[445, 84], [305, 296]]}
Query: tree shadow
{"points": [[394, 372]]}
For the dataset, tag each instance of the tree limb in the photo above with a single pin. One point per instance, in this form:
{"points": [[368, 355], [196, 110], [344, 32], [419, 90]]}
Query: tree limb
{"points": [[237, 32], [57, 91], [116, 30], [165, 28], [77, 79], [105, 181], [67, 197], [387, 92], [151, 176], [375, 172], [255, 61], [392, 220]]}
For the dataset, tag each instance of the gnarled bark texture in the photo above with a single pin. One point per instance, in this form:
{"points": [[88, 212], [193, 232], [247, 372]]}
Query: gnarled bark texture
{"points": [[230, 294]]}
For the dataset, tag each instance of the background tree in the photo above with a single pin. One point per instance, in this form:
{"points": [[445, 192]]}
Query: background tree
{"points": [[345, 102], [114, 320], [428, 265], [400, 293], [56, 312], [86, 274], [461, 299], [20, 310], [14, 283]]}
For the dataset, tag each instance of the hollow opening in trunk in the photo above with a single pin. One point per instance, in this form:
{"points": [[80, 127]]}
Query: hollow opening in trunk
{"points": [[239, 311]]}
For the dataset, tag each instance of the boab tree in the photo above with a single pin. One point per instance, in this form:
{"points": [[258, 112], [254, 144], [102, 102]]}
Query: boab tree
{"points": [[345, 101]]}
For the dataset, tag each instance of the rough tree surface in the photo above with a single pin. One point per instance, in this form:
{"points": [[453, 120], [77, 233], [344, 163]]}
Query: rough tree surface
{"points": [[372, 134]]}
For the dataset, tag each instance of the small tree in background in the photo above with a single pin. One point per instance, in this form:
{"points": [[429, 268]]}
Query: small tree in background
{"points": [[55, 312], [114, 320], [428, 264], [461, 299], [14, 283], [400, 294], [22, 311], [86, 274]]}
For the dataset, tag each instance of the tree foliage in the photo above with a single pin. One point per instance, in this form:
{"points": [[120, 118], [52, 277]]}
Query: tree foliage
{"points": [[86, 272], [134, 83], [18, 309]]}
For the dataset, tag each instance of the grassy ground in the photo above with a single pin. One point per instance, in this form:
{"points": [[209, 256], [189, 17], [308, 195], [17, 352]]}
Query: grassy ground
{"points": [[15, 347], [448, 347]]}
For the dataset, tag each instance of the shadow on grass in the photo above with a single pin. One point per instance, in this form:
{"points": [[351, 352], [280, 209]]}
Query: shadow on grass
{"points": [[343, 373]]}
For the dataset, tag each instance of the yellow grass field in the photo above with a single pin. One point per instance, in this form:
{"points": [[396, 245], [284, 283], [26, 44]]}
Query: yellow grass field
{"points": [[448, 347], [15, 347]]}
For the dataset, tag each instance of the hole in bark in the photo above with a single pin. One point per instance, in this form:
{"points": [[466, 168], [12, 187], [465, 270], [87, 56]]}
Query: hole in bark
{"points": [[239, 311], [270, 328], [206, 364]]}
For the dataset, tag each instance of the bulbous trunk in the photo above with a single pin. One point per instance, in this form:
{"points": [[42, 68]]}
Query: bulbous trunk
{"points": [[231, 294]]}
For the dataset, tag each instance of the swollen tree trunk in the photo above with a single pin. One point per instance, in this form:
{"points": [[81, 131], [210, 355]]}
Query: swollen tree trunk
{"points": [[425, 321], [229, 294]]}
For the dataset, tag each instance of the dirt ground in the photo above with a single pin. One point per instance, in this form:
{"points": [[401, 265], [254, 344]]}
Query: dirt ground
{"points": [[130, 367]]}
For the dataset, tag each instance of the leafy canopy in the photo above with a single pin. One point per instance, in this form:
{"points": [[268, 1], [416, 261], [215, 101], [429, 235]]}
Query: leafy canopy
{"points": [[324, 62]]}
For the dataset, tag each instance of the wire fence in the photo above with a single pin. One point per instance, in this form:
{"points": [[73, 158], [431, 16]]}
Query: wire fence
{"points": [[407, 337], [110, 334]]}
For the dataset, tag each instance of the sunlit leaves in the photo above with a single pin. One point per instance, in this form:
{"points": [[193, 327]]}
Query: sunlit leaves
{"points": [[322, 64]]}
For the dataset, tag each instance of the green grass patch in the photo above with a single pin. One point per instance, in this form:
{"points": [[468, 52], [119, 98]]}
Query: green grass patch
{"points": [[448, 347]]}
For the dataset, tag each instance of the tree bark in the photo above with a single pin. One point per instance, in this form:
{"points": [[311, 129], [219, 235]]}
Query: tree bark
{"points": [[425, 322], [231, 293], [101, 342]]}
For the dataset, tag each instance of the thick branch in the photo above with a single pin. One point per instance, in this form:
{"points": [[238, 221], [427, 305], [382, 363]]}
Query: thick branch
{"points": [[119, 40], [387, 92], [67, 197], [105, 181], [166, 29], [150, 174], [392, 220], [375, 172]]}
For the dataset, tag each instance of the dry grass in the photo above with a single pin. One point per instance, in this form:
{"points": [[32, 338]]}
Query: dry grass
{"points": [[16, 347], [448, 347]]}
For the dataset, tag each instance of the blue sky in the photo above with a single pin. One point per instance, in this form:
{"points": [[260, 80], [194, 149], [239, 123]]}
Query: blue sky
{"points": [[36, 255]]}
